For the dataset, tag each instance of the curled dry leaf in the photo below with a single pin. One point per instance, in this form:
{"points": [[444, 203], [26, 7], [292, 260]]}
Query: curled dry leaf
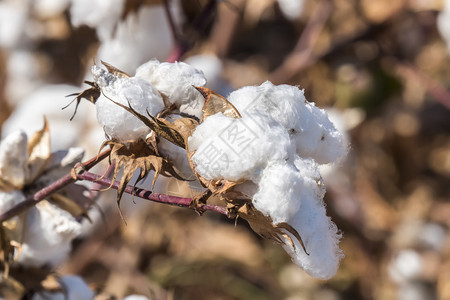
{"points": [[215, 103], [160, 126], [264, 226], [113, 70], [38, 153], [91, 94], [134, 156]]}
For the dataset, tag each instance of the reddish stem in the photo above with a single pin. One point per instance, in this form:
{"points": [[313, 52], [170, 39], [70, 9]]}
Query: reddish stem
{"points": [[149, 195]]}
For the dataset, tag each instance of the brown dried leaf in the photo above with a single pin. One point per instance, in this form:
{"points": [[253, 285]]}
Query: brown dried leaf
{"points": [[265, 227], [38, 153], [113, 70], [215, 103], [91, 94], [162, 127], [134, 156]]}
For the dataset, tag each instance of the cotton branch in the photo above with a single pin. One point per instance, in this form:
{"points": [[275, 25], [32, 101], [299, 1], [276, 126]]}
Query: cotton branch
{"points": [[50, 189], [148, 195]]}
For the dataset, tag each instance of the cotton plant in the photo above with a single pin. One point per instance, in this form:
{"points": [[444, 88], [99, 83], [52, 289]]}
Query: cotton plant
{"points": [[41, 237], [259, 150]]}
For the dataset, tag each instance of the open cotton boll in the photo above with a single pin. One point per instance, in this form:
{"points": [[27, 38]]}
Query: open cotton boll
{"points": [[280, 191], [237, 149], [319, 234], [13, 158], [173, 80], [48, 235], [116, 121], [313, 133], [74, 286]]}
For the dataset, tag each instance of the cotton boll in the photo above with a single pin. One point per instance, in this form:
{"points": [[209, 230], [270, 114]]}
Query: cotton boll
{"points": [[237, 149], [319, 234], [13, 20], [50, 8], [291, 9], [75, 287], [48, 235], [140, 37], [136, 297], [99, 14], [136, 92], [23, 76], [13, 158], [174, 80], [443, 23], [406, 266], [281, 189], [313, 133]]}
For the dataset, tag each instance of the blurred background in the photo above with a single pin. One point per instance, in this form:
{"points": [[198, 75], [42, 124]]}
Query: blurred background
{"points": [[381, 68]]}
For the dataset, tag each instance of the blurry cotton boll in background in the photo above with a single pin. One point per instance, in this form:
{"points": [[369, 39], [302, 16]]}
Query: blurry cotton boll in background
{"points": [[98, 14], [49, 235], [48, 101], [23, 76], [138, 38], [49, 8], [13, 19], [405, 266], [291, 9], [75, 288], [212, 67], [136, 297], [443, 23]]}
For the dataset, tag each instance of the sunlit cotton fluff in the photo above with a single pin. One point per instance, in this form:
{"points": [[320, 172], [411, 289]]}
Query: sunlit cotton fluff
{"points": [[237, 149], [319, 234], [310, 129], [118, 123], [175, 81]]}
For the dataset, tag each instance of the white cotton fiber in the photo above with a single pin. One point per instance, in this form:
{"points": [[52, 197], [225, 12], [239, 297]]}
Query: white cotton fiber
{"points": [[13, 158], [281, 189], [237, 149], [177, 156], [48, 235], [74, 286], [174, 80], [319, 234], [10, 199], [309, 127], [116, 121]]}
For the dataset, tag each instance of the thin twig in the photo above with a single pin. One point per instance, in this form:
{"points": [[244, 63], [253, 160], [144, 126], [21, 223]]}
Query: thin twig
{"points": [[50, 189], [149, 195]]}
